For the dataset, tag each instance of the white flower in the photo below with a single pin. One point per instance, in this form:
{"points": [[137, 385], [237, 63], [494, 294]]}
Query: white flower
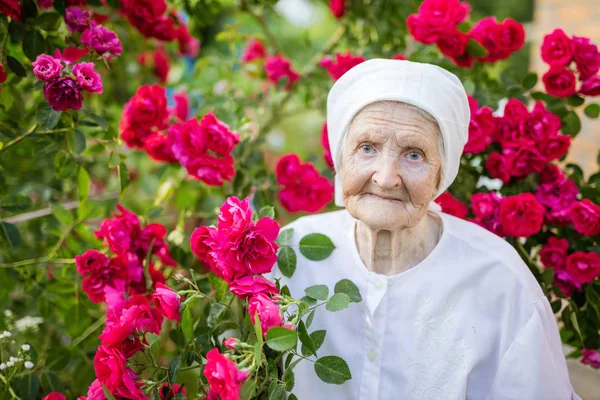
{"points": [[25, 347], [28, 322], [10, 364], [8, 313], [28, 364], [2, 366], [1, 336], [13, 359], [7, 334]]}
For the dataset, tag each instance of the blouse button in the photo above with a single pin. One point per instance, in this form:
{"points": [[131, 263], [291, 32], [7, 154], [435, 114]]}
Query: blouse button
{"points": [[371, 355], [379, 285]]}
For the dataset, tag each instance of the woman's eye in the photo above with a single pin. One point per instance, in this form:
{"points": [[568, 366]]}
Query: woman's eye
{"points": [[366, 148], [414, 156]]}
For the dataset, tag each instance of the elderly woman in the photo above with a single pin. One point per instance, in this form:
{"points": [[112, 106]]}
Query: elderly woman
{"points": [[449, 310]]}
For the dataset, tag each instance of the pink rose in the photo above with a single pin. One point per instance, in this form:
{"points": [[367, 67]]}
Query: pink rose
{"points": [[451, 205], [342, 64], [591, 358], [278, 67], [120, 231], [498, 39], [587, 57], [95, 391], [55, 396], [205, 243], [554, 253], [557, 48], [102, 40], [525, 159], [90, 261], [221, 139], [267, 311], [154, 235], [326, 147], [158, 147], [338, 7], [591, 86], [558, 196], [499, 166], [89, 80], [481, 129], [540, 124], [231, 343], [555, 146], [145, 113], [248, 286], [559, 82], [188, 140], [564, 282], [521, 215], [235, 217], [111, 370], [77, 19], [96, 282], [167, 302], [454, 43], [511, 37], [63, 94], [515, 112], [583, 267], [435, 19], [551, 173], [46, 67], [254, 51], [586, 217], [223, 376]]}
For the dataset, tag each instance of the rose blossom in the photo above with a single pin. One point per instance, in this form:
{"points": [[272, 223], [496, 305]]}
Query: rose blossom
{"points": [[521, 215], [342, 64], [540, 124], [11, 8], [63, 94], [591, 86], [304, 188], [500, 166], [555, 146], [564, 282], [499, 39], [451, 205], [46, 67], [120, 231], [267, 311], [235, 216], [254, 51], [288, 169], [99, 275], [558, 196], [559, 82], [435, 19], [89, 80], [158, 147], [205, 243], [591, 357], [338, 7], [231, 343], [248, 286], [221, 139], [278, 67], [586, 217], [583, 267], [223, 376], [554, 253], [481, 128], [102, 40], [557, 48], [55, 396], [144, 113], [167, 302], [453, 44], [587, 57], [3, 75], [525, 158], [551, 173], [484, 205], [111, 370], [77, 19]]}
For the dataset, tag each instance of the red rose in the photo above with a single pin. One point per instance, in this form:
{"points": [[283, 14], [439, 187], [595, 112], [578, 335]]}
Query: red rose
{"points": [[221, 140], [11, 8], [157, 146], [338, 7], [451, 205], [540, 124], [586, 217], [55, 396], [484, 205], [288, 169], [101, 274], [554, 253], [559, 82], [487, 32], [521, 215], [248, 286], [555, 146], [278, 67], [591, 86], [511, 37], [481, 129], [500, 166], [145, 113], [63, 94], [111, 370], [254, 51], [525, 158], [557, 48], [342, 64], [166, 302], [551, 173], [583, 267], [587, 57], [235, 217], [3, 75], [453, 44], [515, 112], [305, 189], [223, 376], [435, 19]]}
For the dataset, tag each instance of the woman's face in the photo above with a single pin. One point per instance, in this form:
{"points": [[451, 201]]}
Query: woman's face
{"points": [[390, 166]]}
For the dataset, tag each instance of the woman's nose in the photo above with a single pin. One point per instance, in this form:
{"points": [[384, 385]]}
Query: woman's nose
{"points": [[387, 173]]}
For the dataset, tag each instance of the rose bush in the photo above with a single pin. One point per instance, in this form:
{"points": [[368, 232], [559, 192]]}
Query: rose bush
{"points": [[138, 170]]}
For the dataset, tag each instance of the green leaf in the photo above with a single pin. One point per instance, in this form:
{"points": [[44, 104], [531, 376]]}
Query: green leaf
{"points": [[308, 346], [267, 211], [318, 338], [285, 236], [179, 396], [292, 396], [187, 325], [123, 177], [26, 387], [286, 261], [174, 368], [77, 319], [529, 81], [576, 325], [575, 101], [332, 369], [337, 302], [16, 67], [476, 50], [513, 91], [47, 117], [316, 246], [318, 292], [464, 27], [278, 393], [29, 9], [83, 183], [16, 31], [348, 287], [247, 390], [220, 286], [62, 214], [571, 125], [107, 393], [310, 318], [48, 21], [15, 202], [33, 44], [281, 339], [77, 141], [547, 276], [100, 121], [10, 235], [592, 110]]}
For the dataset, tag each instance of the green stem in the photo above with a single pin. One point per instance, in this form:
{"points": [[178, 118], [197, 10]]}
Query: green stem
{"points": [[99, 322], [18, 139], [14, 395], [41, 260]]}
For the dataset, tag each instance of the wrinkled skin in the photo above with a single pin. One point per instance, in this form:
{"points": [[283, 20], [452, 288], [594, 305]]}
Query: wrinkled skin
{"points": [[390, 170]]}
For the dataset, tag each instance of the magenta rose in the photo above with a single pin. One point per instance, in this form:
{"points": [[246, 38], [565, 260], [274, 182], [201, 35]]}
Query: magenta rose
{"points": [[206, 243], [499, 166], [221, 140], [484, 205], [46, 67], [481, 128], [248, 286], [90, 261], [97, 281], [342, 64], [188, 44], [526, 159], [77, 19], [261, 306], [591, 86], [235, 217], [586, 217], [551, 173], [254, 51], [591, 358], [555, 146], [453, 44], [583, 267], [557, 49], [231, 343], [559, 82], [120, 232], [540, 124], [11, 8], [144, 113], [55, 396], [111, 370], [102, 40], [515, 112], [510, 37], [46, 3], [188, 141], [521, 215], [223, 376], [167, 302], [564, 282], [211, 170], [451, 205], [158, 147], [305, 189], [338, 7], [63, 94], [554, 253], [435, 19], [89, 80], [288, 169], [587, 57], [278, 67]]}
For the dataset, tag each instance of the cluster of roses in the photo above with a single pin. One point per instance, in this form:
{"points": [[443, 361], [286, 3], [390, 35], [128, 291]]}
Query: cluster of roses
{"points": [[277, 67], [344, 62], [203, 147], [529, 140], [438, 22], [559, 51], [238, 251], [64, 83], [120, 282], [93, 35], [304, 189]]}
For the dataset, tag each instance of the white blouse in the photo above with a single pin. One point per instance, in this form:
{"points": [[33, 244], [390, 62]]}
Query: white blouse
{"points": [[468, 322]]}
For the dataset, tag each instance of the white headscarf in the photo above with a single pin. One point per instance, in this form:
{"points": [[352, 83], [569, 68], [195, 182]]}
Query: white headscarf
{"points": [[426, 86]]}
